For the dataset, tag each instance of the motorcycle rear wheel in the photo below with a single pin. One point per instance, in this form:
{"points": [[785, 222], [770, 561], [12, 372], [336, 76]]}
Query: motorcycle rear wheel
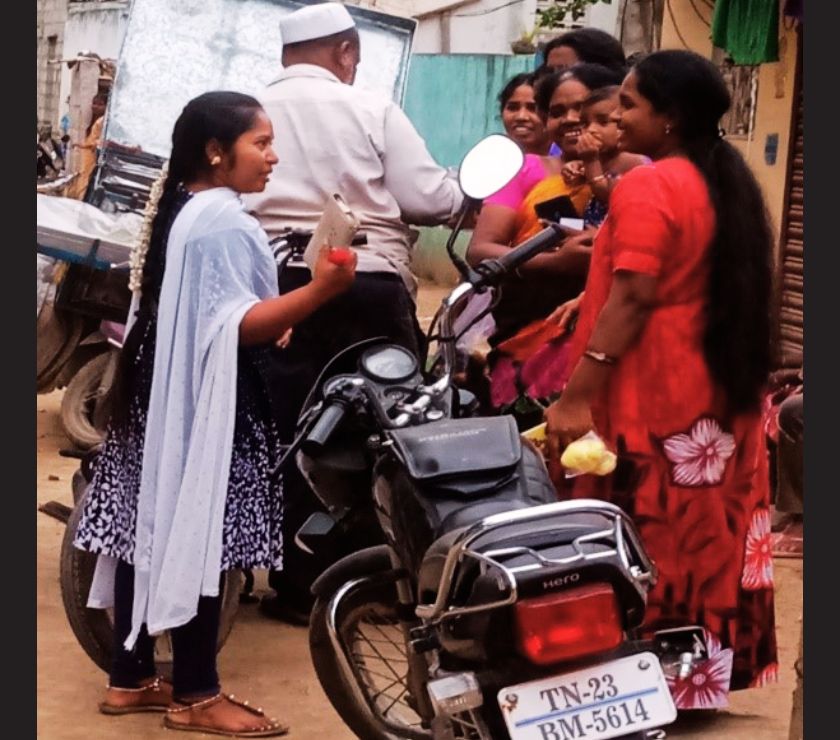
{"points": [[373, 649], [94, 628], [83, 416]]}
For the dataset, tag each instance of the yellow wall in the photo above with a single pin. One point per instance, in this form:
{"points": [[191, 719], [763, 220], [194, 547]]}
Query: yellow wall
{"points": [[775, 98]]}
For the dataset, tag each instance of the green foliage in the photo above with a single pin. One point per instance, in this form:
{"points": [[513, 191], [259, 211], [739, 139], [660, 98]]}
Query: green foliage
{"points": [[554, 15]]}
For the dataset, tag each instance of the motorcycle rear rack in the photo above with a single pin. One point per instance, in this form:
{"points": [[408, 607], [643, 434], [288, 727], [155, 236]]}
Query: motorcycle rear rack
{"points": [[628, 548]]}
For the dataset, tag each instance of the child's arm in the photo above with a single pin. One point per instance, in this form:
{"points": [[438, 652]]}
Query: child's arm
{"points": [[602, 183], [599, 182], [589, 150]]}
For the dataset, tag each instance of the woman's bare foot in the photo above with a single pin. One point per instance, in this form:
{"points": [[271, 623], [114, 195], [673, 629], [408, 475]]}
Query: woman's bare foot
{"points": [[153, 695], [223, 715]]}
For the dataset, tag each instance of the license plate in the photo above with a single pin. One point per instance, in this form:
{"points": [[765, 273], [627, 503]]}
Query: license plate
{"points": [[617, 698]]}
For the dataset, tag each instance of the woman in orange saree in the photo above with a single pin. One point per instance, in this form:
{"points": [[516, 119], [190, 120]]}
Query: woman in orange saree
{"points": [[510, 216]]}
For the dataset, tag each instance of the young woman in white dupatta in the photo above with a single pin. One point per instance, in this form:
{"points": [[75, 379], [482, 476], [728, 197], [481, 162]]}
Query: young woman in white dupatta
{"points": [[182, 490]]}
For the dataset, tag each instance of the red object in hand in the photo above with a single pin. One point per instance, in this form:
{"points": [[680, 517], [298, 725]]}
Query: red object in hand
{"points": [[341, 256]]}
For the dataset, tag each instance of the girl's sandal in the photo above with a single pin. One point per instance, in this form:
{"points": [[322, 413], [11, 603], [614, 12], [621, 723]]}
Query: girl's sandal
{"points": [[154, 697], [188, 718]]}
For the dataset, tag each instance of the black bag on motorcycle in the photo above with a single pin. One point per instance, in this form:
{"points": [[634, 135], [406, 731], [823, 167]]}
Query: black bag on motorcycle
{"points": [[450, 474]]}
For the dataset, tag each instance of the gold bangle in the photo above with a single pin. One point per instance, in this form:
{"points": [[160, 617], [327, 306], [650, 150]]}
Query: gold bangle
{"points": [[601, 357]]}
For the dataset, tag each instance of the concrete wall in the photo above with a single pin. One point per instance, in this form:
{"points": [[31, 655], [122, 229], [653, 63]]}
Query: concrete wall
{"points": [[98, 27], [773, 108], [50, 15], [461, 26], [451, 99], [479, 26]]}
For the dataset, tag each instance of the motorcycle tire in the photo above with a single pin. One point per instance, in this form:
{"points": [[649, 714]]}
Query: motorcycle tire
{"points": [[328, 665], [58, 336], [93, 628], [82, 422]]}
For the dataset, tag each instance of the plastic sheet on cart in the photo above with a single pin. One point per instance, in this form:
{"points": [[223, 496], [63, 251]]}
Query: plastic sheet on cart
{"points": [[69, 229]]}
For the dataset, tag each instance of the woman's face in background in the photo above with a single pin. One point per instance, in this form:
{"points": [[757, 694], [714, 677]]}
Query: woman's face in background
{"points": [[563, 121], [523, 123], [561, 58]]}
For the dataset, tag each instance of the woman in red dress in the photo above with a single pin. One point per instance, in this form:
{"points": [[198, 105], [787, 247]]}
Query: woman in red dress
{"points": [[673, 348]]}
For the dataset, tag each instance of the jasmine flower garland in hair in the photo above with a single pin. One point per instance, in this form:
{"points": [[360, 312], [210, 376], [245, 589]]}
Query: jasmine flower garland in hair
{"points": [[138, 253]]}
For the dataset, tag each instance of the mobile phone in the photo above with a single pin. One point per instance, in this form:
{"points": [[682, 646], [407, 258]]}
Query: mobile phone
{"points": [[556, 208], [572, 223]]}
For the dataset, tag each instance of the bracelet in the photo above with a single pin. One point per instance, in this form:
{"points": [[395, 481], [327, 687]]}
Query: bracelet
{"points": [[599, 177], [601, 357]]}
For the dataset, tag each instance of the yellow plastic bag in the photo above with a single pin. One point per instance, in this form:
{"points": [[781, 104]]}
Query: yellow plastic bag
{"points": [[589, 455]]}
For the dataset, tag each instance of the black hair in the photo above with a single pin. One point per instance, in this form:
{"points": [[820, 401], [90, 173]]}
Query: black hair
{"points": [[594, 76], [523, 78], [739, 330], [591, 45], [219, 116], [602, 94], [635, 58], [214, 116]]}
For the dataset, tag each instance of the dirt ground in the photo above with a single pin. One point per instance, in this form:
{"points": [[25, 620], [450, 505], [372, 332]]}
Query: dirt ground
{"points": [[268, 663]]}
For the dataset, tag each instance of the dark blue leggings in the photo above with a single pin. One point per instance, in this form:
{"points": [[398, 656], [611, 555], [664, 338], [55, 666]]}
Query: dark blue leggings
{"points": [[193, 645]]}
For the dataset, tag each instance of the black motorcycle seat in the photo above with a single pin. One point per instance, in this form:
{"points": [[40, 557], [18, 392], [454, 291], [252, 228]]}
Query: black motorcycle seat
{"points": [[467, 515]]}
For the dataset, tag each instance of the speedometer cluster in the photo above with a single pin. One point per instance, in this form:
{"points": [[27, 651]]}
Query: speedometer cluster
{"points": [[390, 364]]}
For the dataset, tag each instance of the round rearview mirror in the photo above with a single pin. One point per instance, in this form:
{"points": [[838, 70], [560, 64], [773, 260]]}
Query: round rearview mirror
{"points": [[489, 166]]}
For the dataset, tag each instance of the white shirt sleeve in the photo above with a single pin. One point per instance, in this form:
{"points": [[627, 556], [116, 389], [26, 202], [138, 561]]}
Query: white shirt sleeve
{"points": [[425, 192]]}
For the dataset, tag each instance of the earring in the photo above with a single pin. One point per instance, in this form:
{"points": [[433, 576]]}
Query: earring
{"points": [[667, 128], [216, 160]]}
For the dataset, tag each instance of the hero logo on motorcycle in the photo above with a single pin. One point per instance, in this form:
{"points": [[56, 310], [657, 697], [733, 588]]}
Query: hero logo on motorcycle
{"points": [[617, 698], [561, 581]]}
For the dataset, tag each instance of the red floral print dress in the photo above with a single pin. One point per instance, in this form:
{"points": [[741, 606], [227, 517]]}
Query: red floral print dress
{"points": [[694, 478]]}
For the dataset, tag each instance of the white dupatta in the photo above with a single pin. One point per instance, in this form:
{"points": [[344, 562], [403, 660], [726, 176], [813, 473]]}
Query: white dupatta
{"points": [[218, 265]]}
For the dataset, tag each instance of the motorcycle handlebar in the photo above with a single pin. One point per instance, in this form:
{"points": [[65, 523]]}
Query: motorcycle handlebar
{"points": [[323, 429], [545, 239]]}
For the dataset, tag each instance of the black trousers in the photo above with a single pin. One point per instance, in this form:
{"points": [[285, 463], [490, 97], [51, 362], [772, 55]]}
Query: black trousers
{"points": [[377, 304], [193, 645], [790, 495]]}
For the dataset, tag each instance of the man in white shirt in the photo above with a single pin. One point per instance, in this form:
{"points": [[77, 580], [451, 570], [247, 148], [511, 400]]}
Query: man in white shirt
{"points": [[334, 138]]}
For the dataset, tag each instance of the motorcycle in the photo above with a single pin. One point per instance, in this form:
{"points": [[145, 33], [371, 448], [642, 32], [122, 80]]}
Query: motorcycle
{"points": [[94, 628], [83, 299], [79, 336], [481, 607]]}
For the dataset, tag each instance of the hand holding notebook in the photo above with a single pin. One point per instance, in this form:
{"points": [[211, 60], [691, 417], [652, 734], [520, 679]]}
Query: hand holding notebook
{"points": [[336, 228]]}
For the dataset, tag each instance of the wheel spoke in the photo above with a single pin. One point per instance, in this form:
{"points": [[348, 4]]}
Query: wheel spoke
{"points": [[394, 681], [395, 701], [376, 657], [399, 646], [381, 657], [374, 642]]}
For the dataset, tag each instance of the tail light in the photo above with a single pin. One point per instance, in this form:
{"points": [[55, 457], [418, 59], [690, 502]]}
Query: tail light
{"points": [[570, 624]]}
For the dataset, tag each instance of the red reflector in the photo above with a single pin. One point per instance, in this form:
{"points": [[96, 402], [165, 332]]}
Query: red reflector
{"points": [[569, 624]]}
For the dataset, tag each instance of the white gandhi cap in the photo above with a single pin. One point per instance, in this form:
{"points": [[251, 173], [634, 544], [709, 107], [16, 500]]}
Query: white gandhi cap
{"points": [[315, 22]]}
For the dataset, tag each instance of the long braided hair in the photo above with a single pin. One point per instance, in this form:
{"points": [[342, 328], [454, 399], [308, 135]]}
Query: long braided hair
{"points": [[219, 116]]}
